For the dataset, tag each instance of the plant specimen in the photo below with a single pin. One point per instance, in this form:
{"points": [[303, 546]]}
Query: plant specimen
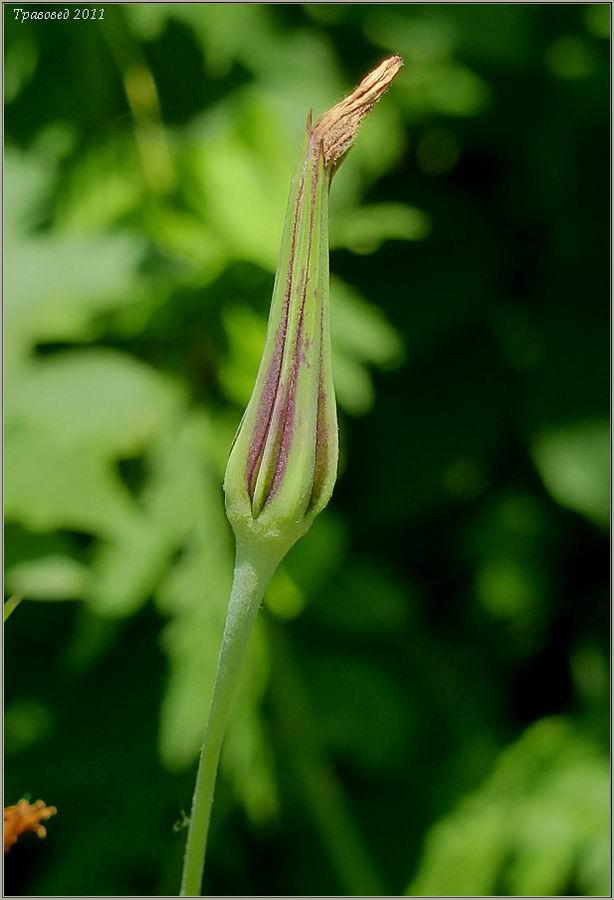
{"points": [[283, 462]]}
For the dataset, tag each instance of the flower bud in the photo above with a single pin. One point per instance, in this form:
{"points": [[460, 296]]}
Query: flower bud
{"points": [[283, 462]]}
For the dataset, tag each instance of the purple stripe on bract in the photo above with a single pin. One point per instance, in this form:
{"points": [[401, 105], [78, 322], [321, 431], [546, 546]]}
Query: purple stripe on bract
{"points": [[288, 415], [271, 384], [298, 359]]}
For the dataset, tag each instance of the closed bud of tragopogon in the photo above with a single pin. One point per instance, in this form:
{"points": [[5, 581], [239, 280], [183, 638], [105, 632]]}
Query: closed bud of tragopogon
{"points": [[283, 462]]}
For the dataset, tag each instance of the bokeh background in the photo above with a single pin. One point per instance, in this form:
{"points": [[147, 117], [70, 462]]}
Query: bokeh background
{"points": [[425, 703]]}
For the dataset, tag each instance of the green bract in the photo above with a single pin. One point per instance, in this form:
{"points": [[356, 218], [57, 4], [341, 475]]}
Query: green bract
{"points": [[283, 462]]}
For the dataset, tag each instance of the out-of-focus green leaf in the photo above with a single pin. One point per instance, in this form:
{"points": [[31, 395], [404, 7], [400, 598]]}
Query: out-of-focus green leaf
{"points": [[507, 544], [48, 578], [590, 672], [597, 18], [364, 229], [573, 461], [425, 38], [126, 570], [53, 485], [326, 542], [284, 597], [199, 255], [246, 335], [69, 418], [360, 329], [100, 400], [530, 828], [103, 187], [570, 57], [353, 386], [57, 287], [360, 335], [27, 188], [241, 166]]}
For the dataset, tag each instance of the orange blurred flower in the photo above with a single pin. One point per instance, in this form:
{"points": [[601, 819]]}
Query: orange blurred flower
{"points": [[24, 816]]}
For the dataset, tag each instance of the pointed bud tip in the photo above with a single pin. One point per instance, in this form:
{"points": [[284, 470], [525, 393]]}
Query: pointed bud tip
{"points": [[337, 128]]}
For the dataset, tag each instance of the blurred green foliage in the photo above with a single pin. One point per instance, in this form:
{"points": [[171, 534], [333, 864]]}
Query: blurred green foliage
{"points": [[425, 701]]}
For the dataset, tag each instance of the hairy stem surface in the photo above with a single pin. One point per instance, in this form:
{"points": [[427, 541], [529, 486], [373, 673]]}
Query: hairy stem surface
{"points": [[251, 578]]}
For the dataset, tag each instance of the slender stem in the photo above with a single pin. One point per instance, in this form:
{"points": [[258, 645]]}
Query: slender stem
{"points": [[251, 578], [11, 605]]}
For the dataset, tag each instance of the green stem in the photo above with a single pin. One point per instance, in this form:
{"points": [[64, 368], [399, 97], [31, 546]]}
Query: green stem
{"points": [[11, 605], [251, 578]]}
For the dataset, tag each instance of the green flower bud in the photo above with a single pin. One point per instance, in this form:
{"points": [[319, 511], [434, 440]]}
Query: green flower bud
{"points": [[283, 462]]}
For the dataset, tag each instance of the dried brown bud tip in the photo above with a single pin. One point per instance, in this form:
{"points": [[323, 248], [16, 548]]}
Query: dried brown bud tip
{"points": [[337, 127]]}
